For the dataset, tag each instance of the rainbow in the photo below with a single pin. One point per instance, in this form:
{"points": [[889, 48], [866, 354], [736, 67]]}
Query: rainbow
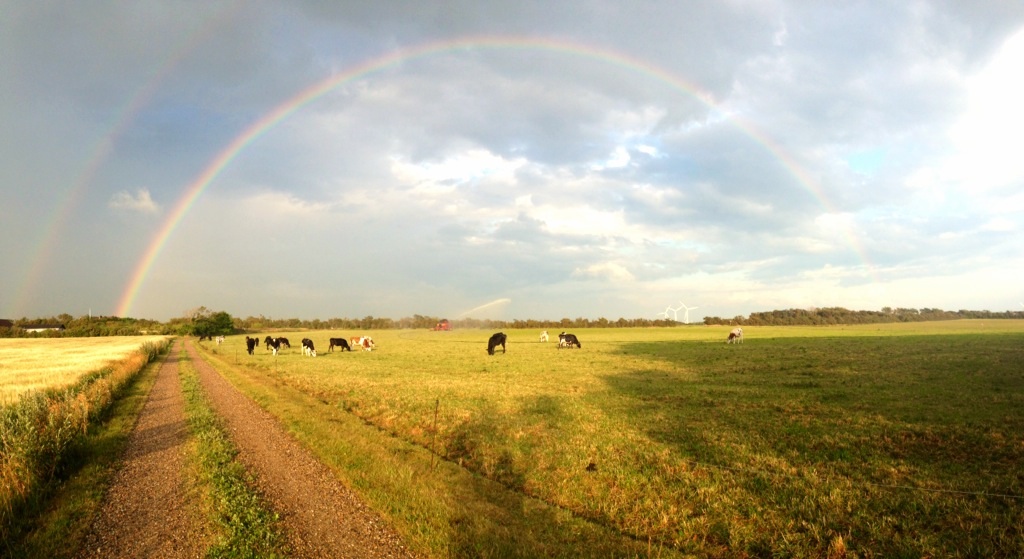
{"points": [[395, 58], [53, 226]]}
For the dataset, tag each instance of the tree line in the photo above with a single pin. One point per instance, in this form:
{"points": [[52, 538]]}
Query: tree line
{"points": [[838, 315], [205, 322]]}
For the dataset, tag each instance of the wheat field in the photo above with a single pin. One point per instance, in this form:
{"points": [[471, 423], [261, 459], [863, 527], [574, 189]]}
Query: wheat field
{"points": [[37, 363]]}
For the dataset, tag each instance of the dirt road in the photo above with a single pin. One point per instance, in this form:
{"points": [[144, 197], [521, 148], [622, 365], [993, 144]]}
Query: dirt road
{"points": [[147, 512]]}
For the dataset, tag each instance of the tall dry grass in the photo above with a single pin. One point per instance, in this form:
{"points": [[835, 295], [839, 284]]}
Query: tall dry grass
{"points": [[37, 431]]}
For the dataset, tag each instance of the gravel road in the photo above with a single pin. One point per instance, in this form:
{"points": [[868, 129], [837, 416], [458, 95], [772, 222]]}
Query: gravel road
{"points": [[147, 511]]}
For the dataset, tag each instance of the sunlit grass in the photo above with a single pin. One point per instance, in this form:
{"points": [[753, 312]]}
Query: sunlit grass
{"points": [[876, 439]]}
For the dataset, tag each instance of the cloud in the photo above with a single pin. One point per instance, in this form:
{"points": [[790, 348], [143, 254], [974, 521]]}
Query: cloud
{"points": [[546, 155], [140, 202], [610, 271]]}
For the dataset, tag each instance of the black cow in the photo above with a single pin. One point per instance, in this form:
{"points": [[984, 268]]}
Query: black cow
{"points": [[307, 347], [339, 342], [495, 341], [568, 340], [250, 344]]}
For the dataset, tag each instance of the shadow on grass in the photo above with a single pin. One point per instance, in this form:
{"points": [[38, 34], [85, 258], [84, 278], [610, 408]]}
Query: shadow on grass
{"points": [[790, 421]]}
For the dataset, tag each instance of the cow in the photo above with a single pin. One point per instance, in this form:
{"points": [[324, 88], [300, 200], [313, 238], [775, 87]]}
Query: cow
{"points": [[568, 340], [544, 336], [365, 342], [220, 340], [307, 347], [338, 342], [250, 344], [495, 341], [276, 343], [273, 344], [735, 336]]}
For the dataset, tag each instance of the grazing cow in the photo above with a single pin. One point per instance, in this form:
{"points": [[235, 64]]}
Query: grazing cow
{"points": [[307, 347], [220, 340], [544, 336], [273, 344], [250, 344], [495, 341], [568, 340], [276, 343], [338, 342], [735, 336], [365, 342]]}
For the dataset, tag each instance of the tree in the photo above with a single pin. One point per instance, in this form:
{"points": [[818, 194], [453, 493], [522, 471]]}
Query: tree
{"points": [[212, 324]]}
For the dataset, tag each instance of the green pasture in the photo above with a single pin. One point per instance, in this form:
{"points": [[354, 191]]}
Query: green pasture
{"points": [[866, 441]]}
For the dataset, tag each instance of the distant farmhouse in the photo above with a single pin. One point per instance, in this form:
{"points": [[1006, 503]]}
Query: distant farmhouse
{"points": [[42, 327]]}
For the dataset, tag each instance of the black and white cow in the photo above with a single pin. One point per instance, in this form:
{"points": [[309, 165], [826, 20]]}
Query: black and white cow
{"points": [[307, 347], [495, 341], [250, 344], [273, 344], [568, 340], [339, 342]]}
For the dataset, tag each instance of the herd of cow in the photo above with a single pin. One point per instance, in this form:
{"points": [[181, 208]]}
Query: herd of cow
{"points": [[366, 342], [308, 348]]}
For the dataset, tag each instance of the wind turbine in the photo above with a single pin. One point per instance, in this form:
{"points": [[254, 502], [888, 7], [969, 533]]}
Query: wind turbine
{"points": [[686, 314], [675, 312]]}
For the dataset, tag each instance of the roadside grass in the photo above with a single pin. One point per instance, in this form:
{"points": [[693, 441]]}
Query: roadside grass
{"points": [[246, 527], [59, 451], [859, 441]]}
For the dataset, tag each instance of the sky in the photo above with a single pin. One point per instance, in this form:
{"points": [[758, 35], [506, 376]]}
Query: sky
{"points": [[509, 159]]}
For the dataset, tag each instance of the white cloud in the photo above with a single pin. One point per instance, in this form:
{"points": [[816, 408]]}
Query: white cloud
{"points": [[610, 271], [988, 136], [140, 202]]}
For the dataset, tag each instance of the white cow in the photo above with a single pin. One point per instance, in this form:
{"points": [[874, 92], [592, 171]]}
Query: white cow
{"points": [[544, 336], [735, 336]]}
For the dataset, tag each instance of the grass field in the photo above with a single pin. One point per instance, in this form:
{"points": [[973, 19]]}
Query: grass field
{"points": [[869, 441], [34, 363]]}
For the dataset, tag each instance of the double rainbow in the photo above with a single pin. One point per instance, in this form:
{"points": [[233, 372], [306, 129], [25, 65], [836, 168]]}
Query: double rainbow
{"points": [[312, 93]]}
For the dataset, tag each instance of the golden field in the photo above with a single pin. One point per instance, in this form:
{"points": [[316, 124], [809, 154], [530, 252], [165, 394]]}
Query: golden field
{"points": [[34, 363]]}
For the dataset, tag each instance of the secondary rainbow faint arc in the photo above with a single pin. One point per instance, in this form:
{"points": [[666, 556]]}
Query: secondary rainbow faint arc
{"points": [[54, 225], [291, 105]]}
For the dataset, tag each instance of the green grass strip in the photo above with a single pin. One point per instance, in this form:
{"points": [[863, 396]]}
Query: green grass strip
{"points": [[247, 527]]}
